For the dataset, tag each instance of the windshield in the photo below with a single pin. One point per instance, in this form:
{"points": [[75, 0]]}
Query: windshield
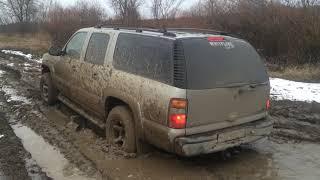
{"points": [[215, 62]]}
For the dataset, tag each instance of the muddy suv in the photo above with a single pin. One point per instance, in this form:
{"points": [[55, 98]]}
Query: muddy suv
{"points": [[184, 91]]}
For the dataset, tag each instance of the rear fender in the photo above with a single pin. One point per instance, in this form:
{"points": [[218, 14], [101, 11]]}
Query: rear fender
{"points": [[133, 105]]}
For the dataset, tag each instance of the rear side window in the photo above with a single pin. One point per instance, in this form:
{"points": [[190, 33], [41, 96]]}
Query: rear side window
{"points": [[150, 57], [97, 48]]}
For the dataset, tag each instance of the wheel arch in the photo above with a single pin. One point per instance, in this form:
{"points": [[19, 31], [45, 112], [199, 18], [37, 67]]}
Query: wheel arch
{"points": [[114, 100], [45, 69]]}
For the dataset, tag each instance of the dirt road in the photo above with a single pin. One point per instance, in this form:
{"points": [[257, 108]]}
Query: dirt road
{"points": [[59, 148]]}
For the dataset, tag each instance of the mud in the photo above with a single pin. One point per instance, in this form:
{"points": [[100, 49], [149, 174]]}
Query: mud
{"points": [[297, 121], [292, 152], [47, 156], [15, 161]]}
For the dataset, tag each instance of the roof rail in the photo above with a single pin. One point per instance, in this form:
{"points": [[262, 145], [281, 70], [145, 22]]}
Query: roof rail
{"points": [[207, 31], [98, 26], [140, 30]]}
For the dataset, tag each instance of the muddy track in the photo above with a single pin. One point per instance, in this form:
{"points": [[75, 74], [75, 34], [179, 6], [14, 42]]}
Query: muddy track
{"points": [[296, 120], [25, 83], [296, 132], [15, 161]]}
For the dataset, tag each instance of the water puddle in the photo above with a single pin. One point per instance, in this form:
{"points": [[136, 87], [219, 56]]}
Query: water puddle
{"points": [[46, 156], [262, 160], [294, 161]]}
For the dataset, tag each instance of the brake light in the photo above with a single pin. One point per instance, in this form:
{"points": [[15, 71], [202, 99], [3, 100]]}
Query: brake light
{"points": [[215, 39], [177, 118], [268, 105], [178, 121]]}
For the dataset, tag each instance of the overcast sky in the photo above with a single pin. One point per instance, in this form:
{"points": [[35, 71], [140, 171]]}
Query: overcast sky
{"points": [[145, 10]]}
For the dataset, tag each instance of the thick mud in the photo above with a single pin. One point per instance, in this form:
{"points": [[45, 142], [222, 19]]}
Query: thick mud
{"points": [[292, 152], [15, 161], [296, 120]]}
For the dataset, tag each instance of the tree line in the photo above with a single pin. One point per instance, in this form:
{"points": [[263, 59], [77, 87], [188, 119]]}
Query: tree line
{"points": [[284, 31]]}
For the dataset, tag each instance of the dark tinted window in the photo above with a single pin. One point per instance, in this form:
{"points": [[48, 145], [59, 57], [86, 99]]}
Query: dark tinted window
{"points": [[146, 56], [97, 48], [74, 47], [222, 64]]}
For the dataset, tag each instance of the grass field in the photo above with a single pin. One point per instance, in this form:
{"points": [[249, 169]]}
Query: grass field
{"points": [[34, 43], [305, 73]]}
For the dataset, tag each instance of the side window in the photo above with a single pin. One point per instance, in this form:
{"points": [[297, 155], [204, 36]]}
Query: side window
{"points": [[150, 57], [97, 48], [74, 47]]}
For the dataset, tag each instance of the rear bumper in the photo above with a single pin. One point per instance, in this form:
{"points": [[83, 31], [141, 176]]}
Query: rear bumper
{"points": [[223, 139]]}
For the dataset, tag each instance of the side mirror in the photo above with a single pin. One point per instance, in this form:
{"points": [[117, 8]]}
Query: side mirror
{"points": [[55, 51]]}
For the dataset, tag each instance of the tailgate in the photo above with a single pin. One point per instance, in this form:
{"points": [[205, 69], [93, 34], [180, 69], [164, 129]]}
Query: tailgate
{"points": [[227, 83], [213, 106]]}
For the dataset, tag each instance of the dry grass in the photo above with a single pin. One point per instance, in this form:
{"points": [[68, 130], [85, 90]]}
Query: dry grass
{"points": [[37, 43], [306, 73]]}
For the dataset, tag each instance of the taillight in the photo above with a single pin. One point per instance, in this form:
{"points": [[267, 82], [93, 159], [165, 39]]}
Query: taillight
{"points": [[177, 118], [178, 121], [215, 39], [178, 103], [268, 105]]}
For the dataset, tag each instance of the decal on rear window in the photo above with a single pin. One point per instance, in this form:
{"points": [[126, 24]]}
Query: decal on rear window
{"points": [[223, 44]]}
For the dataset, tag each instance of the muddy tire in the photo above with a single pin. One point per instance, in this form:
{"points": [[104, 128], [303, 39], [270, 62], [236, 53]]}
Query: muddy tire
{"points": [[49, 93], [120, 130]]}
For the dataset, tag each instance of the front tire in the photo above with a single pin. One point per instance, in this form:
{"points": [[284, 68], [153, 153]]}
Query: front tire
{"points": [[48, 91], [120, 130]]}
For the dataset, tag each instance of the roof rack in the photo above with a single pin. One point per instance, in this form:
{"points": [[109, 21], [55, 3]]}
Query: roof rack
{"points": [[206, 31], [140, 30], [170, 31]]}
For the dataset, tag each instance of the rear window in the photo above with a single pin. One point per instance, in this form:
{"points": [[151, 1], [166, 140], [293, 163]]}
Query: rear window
{"points": [[215, 62], [147, 56]]}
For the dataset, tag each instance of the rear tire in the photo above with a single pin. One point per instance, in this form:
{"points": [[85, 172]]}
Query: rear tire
{"points": [[120, 130], [49, 93]]}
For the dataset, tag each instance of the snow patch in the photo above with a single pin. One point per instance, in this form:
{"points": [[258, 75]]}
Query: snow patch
{"points": [[11, 64], [12, 93], [1, 73], [19, 53], [27, 65], [282, 89]]}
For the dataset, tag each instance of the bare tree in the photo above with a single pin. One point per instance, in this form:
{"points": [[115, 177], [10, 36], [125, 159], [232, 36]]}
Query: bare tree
{"points": [[165, 9], [127, 10], [308, 3], [21, 10], [62, 21], [43, 10], [90, 13]]}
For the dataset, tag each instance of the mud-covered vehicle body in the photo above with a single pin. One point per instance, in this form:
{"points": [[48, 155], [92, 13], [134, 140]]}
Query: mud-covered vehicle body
{"points": [[185, 92]]}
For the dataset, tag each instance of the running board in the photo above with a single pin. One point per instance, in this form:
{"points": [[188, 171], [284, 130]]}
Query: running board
{"points": [[76, 108]]}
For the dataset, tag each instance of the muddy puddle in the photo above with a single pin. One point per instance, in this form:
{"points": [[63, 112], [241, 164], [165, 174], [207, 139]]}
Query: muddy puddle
{"points": [[269, 161], [266, 159], [46, 156], [295, 161]]}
